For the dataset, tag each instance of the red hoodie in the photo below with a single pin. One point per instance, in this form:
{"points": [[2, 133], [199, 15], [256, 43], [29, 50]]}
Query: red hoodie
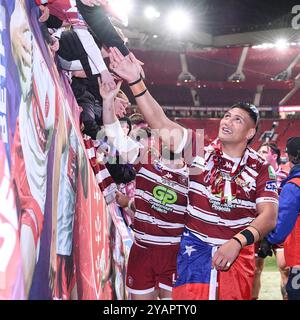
{"points": [[63, 10]]}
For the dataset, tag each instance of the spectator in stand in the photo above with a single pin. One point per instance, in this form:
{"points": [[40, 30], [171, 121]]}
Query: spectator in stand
{"points": [[93, 12], [123, 173], [87, 97], [232, 199], [288, 225], [138, 121], [126, 125], [138, 124], [91, 114], [73, 56], [271, 153], [68, 14]]}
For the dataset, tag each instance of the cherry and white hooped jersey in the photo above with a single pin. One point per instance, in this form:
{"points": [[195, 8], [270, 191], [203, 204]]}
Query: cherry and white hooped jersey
{"points": [[160, 200], [222, 204]]}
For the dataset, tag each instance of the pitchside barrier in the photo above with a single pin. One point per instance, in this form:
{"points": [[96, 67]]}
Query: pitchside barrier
{"points": [[56, 230]]}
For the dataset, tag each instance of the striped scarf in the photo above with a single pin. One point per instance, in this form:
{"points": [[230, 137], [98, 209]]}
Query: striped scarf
{"points": [[106, 183]]}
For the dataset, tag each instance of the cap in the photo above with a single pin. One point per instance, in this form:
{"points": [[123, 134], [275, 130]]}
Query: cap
{"points": [[293, 146], [250, 108]]}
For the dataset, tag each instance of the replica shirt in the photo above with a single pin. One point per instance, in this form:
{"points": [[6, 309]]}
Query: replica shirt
{"points": [[161, 200], [225, 191]]}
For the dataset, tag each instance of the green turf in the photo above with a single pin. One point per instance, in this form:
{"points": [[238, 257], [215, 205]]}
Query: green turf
{"points": [[270, 264]]}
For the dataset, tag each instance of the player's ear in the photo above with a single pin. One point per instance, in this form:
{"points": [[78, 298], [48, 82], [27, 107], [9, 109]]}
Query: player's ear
{"points": [[251, 133]]}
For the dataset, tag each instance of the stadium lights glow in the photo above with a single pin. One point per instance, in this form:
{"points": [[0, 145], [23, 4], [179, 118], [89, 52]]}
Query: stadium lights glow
{"points": [[264, 46], [151, 13], [289, 109], [281, 44], [178, 21], [122, 8]]}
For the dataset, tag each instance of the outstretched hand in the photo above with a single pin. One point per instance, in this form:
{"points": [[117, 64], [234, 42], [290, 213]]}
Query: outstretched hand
{"points": [[107, 93], [133, 59], [128, 68], [108, 79]]}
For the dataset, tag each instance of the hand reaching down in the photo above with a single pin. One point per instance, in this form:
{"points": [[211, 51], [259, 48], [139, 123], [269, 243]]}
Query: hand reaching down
{"points": [[107, 79]]}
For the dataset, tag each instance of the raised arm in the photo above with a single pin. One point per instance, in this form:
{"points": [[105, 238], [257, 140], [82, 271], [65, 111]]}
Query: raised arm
{"points": [[128, 148], [95, 55], [127, 68]]}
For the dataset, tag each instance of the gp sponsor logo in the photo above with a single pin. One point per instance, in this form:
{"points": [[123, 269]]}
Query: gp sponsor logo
{"points": [[224, 207], [165, 195]]}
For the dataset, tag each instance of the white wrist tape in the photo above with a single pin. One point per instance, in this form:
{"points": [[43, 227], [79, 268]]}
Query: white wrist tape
{"points": [[121, 141]]}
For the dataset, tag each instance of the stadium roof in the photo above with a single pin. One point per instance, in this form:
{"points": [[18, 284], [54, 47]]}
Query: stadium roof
{"points": [[215, 23]]}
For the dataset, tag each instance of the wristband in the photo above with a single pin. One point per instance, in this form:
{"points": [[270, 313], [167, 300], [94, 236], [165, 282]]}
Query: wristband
{"points": [[135, 82], [259, 234], [140, 94], [138, 88], [248, 235], [238, 240]]}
